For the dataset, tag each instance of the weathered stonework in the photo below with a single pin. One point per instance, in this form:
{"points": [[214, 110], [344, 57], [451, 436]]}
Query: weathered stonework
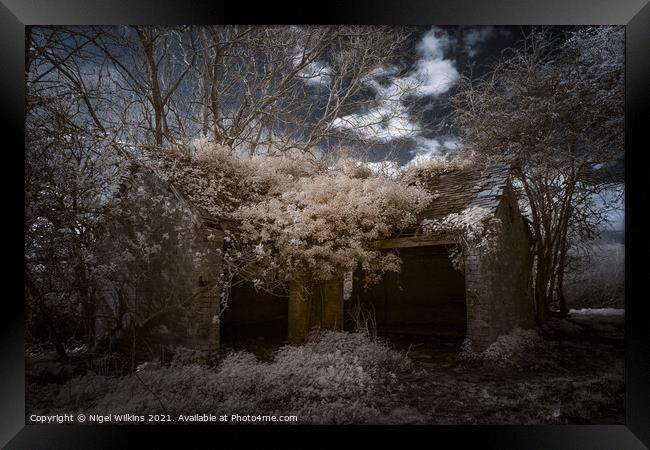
{"points": [[161, 259], [314, 305], [172, 296], [498, 285], [203, 323]]}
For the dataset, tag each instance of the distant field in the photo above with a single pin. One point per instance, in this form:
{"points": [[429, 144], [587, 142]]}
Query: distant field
{"points": [[598, 281]]}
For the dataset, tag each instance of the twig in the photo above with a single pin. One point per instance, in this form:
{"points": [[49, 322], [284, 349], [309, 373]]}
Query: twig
{"points": [[151, 391]]}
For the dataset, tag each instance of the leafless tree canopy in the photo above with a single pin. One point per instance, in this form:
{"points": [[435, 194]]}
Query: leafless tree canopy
{"points": [[98, 97], [555, 111], [255, 87]]}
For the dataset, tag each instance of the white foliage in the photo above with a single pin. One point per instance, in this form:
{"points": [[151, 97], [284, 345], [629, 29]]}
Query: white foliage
{"points": [[327, 223], [476, 227], [311, 381], [296, 213], [505, 348]]}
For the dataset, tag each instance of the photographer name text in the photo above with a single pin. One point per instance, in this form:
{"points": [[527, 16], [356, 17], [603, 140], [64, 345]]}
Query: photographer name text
{"points": [[123, 418]]}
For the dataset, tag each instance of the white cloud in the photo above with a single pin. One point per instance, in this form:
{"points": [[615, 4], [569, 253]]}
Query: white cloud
{"points": [[434, 77], [387, 122], [427, 146], [315, 73], [380, 72], [424, 150], [451, 144], [389, 168], [431, 75], [433, 44], [427, 149]]}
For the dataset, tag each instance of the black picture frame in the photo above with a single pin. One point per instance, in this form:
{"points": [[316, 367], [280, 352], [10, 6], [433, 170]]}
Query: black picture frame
{"points": [[634, 14]]}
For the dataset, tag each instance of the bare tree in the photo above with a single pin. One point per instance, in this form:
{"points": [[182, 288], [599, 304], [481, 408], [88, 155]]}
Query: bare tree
{"points": [[553, 108], [250, 88], [97, 96], [283, 87], [68, 175]]}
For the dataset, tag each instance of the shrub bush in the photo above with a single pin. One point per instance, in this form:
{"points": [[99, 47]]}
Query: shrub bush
{"points": [[336, 377], [505, 350]]}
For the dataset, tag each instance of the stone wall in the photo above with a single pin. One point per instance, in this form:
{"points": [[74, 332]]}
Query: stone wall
{"points": [[498, 285], [203, 321], [314, 305], [160, 263]]}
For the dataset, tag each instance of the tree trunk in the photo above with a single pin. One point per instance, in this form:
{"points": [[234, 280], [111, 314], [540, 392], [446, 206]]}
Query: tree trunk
{"points": [[87, 301], [563, 246], [542, 280], [564, 310], [88, 308], [541, 303], [35, 293], [540, 283], [156, 95]]}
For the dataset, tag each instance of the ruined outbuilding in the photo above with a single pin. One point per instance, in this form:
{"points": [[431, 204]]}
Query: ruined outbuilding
{"points": [[162, 266], [485, 294], [160, 260]]}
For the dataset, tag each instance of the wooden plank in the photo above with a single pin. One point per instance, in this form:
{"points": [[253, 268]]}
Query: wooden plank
{"points": [[415, 241]]}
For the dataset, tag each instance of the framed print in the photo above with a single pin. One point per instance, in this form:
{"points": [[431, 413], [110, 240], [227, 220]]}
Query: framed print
{"points": [[383, 214]]}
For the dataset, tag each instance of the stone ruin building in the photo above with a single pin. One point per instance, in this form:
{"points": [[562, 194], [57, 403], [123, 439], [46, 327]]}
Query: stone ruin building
{"points": [[485, 297]]}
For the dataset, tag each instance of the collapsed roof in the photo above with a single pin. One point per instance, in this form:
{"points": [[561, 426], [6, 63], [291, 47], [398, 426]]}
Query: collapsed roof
{"points": [[457, 189]]}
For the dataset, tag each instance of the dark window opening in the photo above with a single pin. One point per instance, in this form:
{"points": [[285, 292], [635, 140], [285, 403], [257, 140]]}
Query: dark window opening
{"points": [[426, 298], [253, 314]]}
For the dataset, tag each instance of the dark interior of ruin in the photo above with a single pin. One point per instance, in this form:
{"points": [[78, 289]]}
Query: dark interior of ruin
{"points": [[426, 297]]}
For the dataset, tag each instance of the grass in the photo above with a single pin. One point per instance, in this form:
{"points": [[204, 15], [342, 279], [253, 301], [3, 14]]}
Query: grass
{"points": [[597, 280], [348, 378]]}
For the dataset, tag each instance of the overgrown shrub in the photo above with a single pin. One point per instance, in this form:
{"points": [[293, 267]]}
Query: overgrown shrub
{"points": [[505, 350], [183, 356], [336, 377]]}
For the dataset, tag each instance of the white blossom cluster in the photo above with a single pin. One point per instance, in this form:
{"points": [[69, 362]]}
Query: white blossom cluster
{"points": [[297, 214], [475, 226], [219, 179], [328, 223]]}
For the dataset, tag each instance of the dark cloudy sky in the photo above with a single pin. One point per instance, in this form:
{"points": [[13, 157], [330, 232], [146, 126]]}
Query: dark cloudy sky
{"points": [[416, 125], [407, 129], [439, 56]]}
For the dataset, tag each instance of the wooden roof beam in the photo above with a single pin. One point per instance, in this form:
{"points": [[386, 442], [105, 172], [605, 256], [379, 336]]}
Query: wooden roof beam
{"points": [[416, 241]]}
